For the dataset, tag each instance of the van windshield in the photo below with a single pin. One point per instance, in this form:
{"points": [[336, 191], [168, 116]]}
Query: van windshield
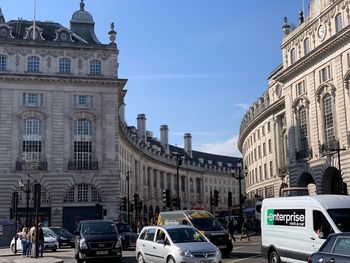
{"points": [[341, 218], [207, 224]]}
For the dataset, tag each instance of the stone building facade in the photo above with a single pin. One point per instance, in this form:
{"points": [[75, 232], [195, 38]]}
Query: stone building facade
{"points": [[311, 135], [62, 125]]}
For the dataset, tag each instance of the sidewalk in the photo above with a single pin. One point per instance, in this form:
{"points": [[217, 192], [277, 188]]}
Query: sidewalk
{"points": [[6, 255]]}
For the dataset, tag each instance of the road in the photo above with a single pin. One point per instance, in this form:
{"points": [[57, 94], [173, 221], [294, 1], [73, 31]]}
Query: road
{"points": [[243, 252]]}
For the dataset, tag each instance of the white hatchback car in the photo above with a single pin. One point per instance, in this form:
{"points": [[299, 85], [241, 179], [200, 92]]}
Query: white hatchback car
{"points": [[171, 244]]}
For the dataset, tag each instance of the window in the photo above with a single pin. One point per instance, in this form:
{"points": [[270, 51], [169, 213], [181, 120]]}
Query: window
{"points": [[64, 65], [33, 64], [328, 118], [321, 225], [83, 101], [83, 193], [264, 149], [31, 140], [269, 145], [268, 127], [259, 151], [292, 56], [82, 143], [306, 46], [150, 234], [325, 74], [32, 99], [95, 67], [3, 63], [258, 134], [303, 129], [265, 171], [263, 130], [338, 23], [271, 169], [300, 88]]}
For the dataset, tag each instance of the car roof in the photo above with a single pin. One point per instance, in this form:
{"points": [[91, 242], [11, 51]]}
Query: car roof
{"points": [[172, 227]]}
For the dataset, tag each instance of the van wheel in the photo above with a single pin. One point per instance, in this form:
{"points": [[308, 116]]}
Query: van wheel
{"points": [[274, 257], [171, 260], [140, 259]]}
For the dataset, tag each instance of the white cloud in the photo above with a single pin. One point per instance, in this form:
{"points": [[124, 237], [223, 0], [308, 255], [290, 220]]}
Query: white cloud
{"points": [[228, 147]]}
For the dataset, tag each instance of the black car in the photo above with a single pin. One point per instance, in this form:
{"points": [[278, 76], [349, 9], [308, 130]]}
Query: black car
{"points": [[128, 236], [97, 240], [64, 237], [335, 249]]}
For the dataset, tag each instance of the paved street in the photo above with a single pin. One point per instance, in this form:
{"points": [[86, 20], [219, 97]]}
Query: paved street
{"points": [[243, 251]]}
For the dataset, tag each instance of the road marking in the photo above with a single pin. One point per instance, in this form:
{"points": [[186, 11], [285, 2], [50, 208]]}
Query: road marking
{"points": [[234, 248], [238, 260]]}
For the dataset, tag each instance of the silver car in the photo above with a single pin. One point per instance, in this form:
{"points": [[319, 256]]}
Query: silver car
{"points": [[171, 244]]}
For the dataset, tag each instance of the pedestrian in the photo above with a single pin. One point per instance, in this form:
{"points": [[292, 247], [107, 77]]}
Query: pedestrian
{"points": [[231, 228], [41, 240], [34, 237], [245, 229], [29, 243], [23, 237]]}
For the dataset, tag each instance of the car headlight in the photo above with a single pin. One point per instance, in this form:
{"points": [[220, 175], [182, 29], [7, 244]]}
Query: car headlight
{"points": [[117, 244], [218, 252], [82, 244], [185, 253]]}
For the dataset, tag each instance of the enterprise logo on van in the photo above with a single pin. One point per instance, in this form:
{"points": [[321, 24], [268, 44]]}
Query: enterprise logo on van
{"points": [[286, 217]]}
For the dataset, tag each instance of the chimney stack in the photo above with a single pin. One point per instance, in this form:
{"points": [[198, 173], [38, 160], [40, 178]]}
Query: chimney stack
{"points": [[164, 137], [141, 126], [188, 144]]}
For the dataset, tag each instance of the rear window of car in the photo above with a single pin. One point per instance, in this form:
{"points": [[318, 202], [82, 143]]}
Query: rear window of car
{"points": [[342, 246]]}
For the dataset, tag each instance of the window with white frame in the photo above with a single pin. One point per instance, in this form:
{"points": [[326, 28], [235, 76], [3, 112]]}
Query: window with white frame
{"points": [[292, 56], [328, 118], [338, 23], [31, 139], [3, 63], [300, 87], [83, 193], [82, 141], [325, 74], [32, 99], [303, 129], [95, 67], [33, 64], [65, 65], [306, 46], [83, 101]]}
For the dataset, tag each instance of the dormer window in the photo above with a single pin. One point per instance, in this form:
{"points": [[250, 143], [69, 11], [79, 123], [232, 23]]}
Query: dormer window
{"points": [[32, 99], [338, 23], [33, 64], [95, 67], [65, 65], [83, 101], [292, 56], [3, 63]]}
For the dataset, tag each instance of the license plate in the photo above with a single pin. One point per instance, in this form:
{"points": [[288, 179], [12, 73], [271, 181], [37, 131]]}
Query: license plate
{"points": [[101, 252], [207, 261]]}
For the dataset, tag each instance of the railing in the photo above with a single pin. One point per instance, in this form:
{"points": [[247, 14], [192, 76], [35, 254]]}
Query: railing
{"points": [[306, 153], [83, 165], [31, 166]]}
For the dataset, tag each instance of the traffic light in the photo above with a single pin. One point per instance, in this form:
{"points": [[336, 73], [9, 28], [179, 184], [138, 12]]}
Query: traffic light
{"points": [[212, 200], [135, 199], [166, 197], [216, 198], [229, 199], [123, 204], [174, 202]]}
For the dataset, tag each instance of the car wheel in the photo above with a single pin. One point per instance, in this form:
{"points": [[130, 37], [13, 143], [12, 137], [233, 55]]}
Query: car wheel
{"points": [[274, 257], [171, 260], [140, 259], [79, 260], [13, 248]]}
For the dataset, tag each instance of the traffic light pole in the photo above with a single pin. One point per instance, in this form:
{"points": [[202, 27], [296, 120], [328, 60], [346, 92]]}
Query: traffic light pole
{"points": [[211, 202], [128, 198]]}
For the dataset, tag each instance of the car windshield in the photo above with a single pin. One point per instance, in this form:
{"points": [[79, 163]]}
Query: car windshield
{"points": [[207, 224], [98, 228], [61, 232], [185, 235], [124, 228], [341, 218]]}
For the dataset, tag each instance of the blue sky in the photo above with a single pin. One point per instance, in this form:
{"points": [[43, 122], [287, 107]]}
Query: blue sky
{"points": [[195, 65]]}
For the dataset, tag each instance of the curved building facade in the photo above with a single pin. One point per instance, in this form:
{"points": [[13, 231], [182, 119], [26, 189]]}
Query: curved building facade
{"points": [[310, 144], [62, 126]]}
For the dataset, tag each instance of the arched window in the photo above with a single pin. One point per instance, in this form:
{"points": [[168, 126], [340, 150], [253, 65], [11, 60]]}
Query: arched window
{"points": [[328, 119], [82, 144], [303, 129], [82, 193], [33, 64], [65, 65], [306, 46], [31, 139], [95, 67], [292, 56], [338, 23], [3, 63]]}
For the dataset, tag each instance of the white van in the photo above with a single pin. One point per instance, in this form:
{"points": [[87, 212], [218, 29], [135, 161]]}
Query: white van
{"points": [[292, 228]]}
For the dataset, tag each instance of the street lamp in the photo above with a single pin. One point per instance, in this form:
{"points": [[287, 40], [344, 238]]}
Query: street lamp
{"points": [[179, 158], [238, 175], [26, 188]]}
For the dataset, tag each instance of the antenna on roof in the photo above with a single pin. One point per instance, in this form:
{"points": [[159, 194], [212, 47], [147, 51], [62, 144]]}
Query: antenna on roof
{"points": [[34, 9]]}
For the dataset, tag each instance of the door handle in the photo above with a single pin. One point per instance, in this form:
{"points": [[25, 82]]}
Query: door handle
{"points": [[154, 248], [331, 260], [312, 238], [143, 245]]}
